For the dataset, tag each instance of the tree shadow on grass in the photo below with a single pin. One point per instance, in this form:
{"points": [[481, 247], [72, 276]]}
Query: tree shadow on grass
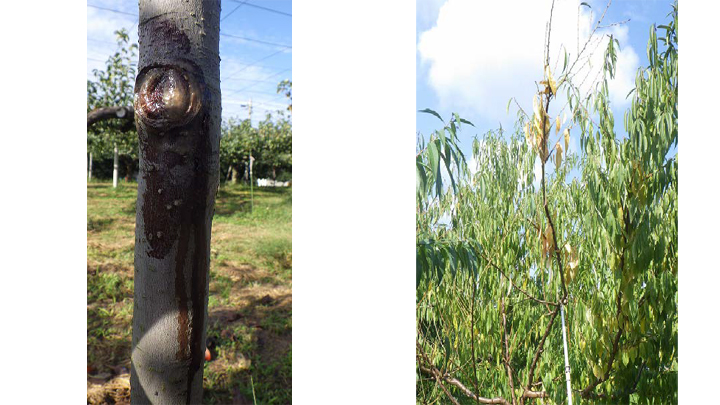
{"points": [[228, 204], [99, 224], [129, 208], [250, 340]]}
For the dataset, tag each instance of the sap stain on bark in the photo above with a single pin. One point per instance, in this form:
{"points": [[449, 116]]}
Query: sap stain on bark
{"points": [[166, 33]]}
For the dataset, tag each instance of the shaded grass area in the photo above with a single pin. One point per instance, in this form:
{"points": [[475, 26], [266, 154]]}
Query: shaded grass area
{"points": [[250, 303]]}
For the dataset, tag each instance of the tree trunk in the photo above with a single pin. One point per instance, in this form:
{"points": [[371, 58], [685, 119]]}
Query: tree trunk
{"points": [[234, 175], [90, 167], [128, 170], [115, 165], [177, 107]]}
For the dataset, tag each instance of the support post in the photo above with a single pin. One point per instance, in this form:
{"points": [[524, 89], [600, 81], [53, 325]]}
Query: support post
{"points": [[115, 165], [567, 363]]}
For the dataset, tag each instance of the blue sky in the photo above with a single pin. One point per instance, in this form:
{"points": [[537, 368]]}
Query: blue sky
{"points": [[248, 69], [472, 57]]}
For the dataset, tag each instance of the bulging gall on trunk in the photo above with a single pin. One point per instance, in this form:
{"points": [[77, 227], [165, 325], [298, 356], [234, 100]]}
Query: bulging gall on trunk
{"points": [[166, 97]]}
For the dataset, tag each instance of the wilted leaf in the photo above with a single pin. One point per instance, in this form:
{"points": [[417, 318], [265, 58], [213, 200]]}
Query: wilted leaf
{"points": [[537, 107], [558, 156], [550, 80], [571, 255], [546, 119], [566, 134], [549, 239], [528, 138], [557, 124]]}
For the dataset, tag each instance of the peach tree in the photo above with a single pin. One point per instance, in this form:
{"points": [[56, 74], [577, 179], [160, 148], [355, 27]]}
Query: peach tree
{"points": [[499, 253]]}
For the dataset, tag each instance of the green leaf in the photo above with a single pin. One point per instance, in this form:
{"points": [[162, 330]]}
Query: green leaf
{"points": [[429, 111], [463, 120], [433, 157], [448, 349]]}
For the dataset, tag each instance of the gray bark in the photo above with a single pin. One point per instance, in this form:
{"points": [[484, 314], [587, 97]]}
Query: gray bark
{"points": [[90, 167], [106, 113], [177, 113]]}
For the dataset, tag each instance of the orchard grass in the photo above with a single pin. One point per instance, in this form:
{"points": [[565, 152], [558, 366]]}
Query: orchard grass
{"points": [[250, 302]]}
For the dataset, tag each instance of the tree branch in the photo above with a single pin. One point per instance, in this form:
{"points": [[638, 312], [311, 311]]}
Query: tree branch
{"points": [[590, 36], [515, 285], [507, 350], [619, 395], [547, 210], [437, 374], [472, 335], [539, 349], [106, 113], [586, 392]]}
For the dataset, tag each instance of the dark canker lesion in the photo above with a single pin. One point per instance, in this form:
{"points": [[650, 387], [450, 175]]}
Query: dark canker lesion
{"points": [[166, 97]]}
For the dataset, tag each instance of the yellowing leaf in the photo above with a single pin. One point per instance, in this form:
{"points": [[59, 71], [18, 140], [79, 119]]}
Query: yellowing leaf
{"points": [[558, 156], [550, 80], [539, 134], [566, 134], [528, 138], [557, 125], [549, 239], [547, 124], [537, 107], [597, 371], [571, 256]]}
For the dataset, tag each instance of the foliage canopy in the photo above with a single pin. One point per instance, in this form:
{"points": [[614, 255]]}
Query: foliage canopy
{"points": [[497, 255], [113, 86]]}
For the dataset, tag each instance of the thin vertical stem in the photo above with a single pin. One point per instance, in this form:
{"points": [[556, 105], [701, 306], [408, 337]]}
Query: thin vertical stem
{"points": [[565, 349], [472, 335]]}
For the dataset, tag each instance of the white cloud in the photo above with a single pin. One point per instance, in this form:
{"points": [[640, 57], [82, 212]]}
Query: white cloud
{"points": [[480, 54], [101, 39], [473, 166], [427, 11]]}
